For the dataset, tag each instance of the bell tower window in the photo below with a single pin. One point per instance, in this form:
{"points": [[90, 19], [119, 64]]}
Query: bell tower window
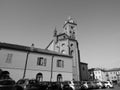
{"points": [[71, 45], [64, 37], [72, 27], [65, 28], [63, 52], [63, 44], [72, 52]]}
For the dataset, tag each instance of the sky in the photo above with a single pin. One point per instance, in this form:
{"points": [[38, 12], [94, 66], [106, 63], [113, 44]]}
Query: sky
{"points": [[24, 22]]}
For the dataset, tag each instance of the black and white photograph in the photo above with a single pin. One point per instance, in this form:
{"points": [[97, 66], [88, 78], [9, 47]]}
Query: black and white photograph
{"points": [[59, 44]]}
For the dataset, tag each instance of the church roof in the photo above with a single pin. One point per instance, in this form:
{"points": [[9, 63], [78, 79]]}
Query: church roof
{"points": [[84, 63], [60, 34], [28, 49], [67, 37]]}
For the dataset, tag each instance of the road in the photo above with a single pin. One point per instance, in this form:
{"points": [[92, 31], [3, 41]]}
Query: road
{"points": [[115, 88]]}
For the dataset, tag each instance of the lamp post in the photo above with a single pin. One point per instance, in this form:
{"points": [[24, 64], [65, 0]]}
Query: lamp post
{"points": [[26, 61]]}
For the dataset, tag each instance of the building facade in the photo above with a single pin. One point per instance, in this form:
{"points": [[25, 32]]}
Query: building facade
{"points": [[27, 62], [113, 74], [104, 75], [97, 74]]}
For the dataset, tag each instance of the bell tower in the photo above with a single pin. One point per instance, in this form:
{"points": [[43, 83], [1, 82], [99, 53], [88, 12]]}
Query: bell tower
{"points": [[72, 47], [70, 27]]}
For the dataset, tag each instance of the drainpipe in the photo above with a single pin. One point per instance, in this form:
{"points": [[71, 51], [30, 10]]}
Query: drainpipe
{"points": [[51, 69], [26, 64], [26, 61]]}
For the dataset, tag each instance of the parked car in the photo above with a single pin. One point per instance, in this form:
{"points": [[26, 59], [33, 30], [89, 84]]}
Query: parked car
{"points": [[96, 85], [84, 85], [108, 84], [89, 85], [92, 85], [7, 84], [77, 85], [99, 84], [45, 85], [53, 86], [26, 84], [68, 85]]}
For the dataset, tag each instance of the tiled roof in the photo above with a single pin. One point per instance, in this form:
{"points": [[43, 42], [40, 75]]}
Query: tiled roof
{"points": [[105, 70], [69, 23], [96, 69], [28, 49]]}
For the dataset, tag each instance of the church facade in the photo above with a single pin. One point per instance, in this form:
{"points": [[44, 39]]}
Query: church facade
{"points": [[66, 43]]}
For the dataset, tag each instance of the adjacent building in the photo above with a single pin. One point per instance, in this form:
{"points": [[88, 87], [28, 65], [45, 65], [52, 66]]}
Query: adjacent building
{"points": [[97, 74], [104, 75], [113, 74]]}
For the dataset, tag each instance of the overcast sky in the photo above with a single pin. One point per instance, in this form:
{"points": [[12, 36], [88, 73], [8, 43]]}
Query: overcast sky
{"points": [[25, 22]]}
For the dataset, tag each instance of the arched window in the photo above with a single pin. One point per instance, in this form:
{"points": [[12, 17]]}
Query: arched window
{"points": [[39, 77], [59, 78]]}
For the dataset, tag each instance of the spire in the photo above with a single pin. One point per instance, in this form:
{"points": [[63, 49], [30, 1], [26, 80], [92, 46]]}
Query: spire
{"points": [[55, 32]]}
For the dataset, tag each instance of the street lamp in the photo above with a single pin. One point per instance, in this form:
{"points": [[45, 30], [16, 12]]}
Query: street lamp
{"points": [[26, 61]]}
